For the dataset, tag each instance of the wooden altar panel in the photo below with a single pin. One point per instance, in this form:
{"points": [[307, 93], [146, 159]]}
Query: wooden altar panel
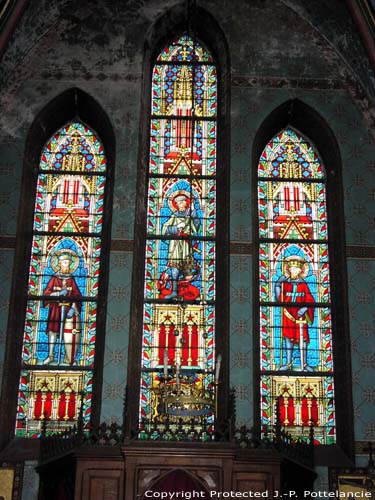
{"points": [[103, 473], [99, 484], [250, 481]]}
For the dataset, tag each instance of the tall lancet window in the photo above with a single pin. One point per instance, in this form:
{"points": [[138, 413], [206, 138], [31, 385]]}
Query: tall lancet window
{"points": [[178, 348], [60, 326], [294, 290]]}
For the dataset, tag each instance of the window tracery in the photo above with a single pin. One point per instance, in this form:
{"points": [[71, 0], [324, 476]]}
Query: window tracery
{"points": [[294, 290], [59, 338], [178, 346]]}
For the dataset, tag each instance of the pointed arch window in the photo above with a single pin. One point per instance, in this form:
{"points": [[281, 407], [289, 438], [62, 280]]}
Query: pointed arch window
{"points": [[59, 337], [296, 357], [178, 344]]}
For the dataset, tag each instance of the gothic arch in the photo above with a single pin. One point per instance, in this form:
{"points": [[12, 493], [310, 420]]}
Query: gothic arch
{"points": [[177, 480], [165, 29], [72, 104], [298, 116]]}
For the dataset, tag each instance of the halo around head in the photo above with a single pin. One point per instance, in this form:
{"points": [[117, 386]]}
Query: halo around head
{"points": [[296, 261], [64, 253], [174, 197]]}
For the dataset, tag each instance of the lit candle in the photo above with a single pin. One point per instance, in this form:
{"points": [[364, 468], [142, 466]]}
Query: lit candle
{"points": [[178, 372], [218, 364], [165, 363]]}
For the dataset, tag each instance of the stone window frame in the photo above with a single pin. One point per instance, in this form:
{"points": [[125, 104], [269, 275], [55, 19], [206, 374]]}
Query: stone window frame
{"points": [[308, 122], [71, 105], [165, 29]]}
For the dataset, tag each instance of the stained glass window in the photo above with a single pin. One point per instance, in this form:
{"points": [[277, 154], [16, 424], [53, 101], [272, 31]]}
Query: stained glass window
{"points": [[60, 326], [296, 359], [178, 347]]}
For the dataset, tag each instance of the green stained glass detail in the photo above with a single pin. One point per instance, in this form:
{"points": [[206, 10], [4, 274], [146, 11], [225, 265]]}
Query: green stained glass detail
{"points": [[185, 49], [302, 401], [178, 340], [289, 155], [60, 325], [294, 289]]}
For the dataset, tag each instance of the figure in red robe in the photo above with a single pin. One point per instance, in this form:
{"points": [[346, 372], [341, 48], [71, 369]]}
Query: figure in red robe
{"points": [[63, 323], [296, 318]]}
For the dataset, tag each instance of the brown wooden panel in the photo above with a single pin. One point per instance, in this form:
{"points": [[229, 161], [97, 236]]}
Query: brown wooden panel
{"points": [[99, 484], [250, 481]]}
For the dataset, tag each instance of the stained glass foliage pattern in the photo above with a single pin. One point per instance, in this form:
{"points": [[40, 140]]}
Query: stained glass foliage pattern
{"points": [[296, 359], [60, 324], [178, 346]]}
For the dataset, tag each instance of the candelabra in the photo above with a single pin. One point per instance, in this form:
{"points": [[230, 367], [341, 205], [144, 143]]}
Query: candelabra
{"points": [[184, 393]]}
